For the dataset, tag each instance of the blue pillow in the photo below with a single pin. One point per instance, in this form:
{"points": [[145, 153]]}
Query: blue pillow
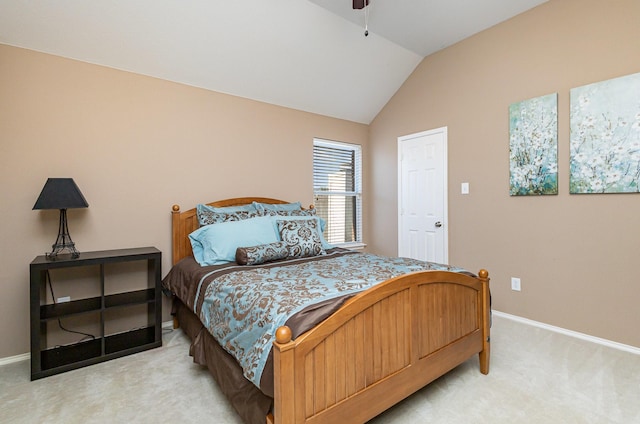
{"points": [[216, 244], [275, 219]]}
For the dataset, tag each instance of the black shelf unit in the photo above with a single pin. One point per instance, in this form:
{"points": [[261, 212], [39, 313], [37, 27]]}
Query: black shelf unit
{"points": [[53, 360]]}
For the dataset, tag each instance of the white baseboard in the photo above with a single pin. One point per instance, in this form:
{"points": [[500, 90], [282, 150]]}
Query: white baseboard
{"points": [[27, 356], [593, 339], [17, 358]]}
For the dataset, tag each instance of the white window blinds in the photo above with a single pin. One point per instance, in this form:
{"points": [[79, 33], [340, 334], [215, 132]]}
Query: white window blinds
{"points": [[337, 189]]}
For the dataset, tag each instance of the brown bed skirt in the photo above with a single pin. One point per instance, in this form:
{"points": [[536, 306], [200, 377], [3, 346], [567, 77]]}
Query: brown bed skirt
{"points": [[252, 403], [249, 402]]}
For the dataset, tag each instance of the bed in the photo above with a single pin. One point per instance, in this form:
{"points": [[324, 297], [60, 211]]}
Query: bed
{"points": [[345, 359]]}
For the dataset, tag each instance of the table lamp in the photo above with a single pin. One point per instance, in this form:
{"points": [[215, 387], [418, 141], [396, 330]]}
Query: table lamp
{"points": [[63, 194]]}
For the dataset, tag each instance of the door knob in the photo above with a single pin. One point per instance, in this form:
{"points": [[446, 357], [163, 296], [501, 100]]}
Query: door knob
{"points": [[438, 224]]}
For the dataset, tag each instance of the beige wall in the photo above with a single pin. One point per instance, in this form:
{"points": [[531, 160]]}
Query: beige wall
{"points": [[135, 145], [577, 255]]}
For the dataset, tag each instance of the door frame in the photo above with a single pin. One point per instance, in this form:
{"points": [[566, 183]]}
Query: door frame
{"points": [[445, 183]]}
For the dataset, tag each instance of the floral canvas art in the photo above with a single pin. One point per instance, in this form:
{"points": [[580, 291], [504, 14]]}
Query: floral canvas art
{"points": [[533, 146], [605, 136]]}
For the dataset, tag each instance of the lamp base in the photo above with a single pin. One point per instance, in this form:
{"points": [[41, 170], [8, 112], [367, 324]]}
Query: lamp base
{"points": [[63, 243], [60, 249]]}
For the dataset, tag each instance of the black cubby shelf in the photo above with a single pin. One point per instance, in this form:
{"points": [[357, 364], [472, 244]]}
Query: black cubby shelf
{"points": [[46, 361], [57, 310]]}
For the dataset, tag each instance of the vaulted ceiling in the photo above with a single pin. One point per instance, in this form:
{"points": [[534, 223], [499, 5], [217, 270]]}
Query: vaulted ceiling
{"points": [[310, 55]]}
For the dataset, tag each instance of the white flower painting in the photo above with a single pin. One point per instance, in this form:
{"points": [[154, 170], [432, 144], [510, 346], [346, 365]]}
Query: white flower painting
{"points": [[533, 146], [605, 137]]}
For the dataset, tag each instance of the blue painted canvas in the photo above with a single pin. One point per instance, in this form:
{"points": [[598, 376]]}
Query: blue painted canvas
{"points": [[533, 146], [605, 136]]}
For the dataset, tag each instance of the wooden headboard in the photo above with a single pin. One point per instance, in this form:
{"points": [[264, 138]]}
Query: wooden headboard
{"points": [[184, 223]]}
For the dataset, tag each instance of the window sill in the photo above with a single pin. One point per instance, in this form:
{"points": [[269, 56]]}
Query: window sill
{"points": [[352, 246]]}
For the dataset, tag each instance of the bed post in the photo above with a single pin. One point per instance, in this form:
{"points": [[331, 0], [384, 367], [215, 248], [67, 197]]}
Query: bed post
{"points": [[485, 354], [284, 379], [177, 235]]}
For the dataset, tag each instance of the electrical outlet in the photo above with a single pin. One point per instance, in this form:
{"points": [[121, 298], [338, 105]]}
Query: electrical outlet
{"points": [[515, 284], [64, 299]]}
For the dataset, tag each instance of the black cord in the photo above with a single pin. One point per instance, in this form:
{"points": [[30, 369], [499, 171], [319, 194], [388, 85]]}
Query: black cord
{"points": [[86, 335]]}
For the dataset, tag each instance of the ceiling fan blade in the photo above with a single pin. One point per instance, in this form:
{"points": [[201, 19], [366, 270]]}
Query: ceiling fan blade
{"points": [[360, 4]]}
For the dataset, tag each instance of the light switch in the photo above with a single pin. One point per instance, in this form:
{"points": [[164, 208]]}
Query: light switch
{"points": [[464, 188]]}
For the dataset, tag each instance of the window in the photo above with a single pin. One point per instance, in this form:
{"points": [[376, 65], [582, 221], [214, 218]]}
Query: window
{"points": [[337, 188]]}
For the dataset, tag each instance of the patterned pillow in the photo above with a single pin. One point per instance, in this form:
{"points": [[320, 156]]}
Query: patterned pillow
{"points": [[227, 209], [297, 212], [296, 206], [207, 216], [256, 255], [301, 236], [294, 212]]}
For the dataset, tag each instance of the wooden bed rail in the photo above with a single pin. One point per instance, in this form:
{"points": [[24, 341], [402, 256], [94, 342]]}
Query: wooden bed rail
{"points": [[402, 334]]}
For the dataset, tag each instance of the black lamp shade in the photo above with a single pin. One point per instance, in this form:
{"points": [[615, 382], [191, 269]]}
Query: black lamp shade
{"points": [[60, 193]]}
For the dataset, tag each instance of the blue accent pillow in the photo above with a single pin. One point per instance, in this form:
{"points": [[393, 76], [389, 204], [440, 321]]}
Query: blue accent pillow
{"points": [[256, 255], [217, 244], [302, 236]]}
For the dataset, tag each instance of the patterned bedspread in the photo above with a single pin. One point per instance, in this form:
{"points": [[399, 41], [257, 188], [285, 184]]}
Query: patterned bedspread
{"points": [[242, 306]]}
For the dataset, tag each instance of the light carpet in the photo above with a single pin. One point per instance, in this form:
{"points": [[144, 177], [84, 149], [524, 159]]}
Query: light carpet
{"points": [[536, 376]]}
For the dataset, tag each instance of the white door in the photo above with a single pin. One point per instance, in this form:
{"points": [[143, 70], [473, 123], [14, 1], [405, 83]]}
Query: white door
{"points": [[422, 196]]}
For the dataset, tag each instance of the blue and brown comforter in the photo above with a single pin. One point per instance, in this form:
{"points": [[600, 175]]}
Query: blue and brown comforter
{"points": [[242, 306]]}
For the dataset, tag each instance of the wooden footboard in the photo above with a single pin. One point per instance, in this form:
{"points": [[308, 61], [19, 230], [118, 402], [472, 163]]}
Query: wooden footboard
{"points": [[380, 347]]}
